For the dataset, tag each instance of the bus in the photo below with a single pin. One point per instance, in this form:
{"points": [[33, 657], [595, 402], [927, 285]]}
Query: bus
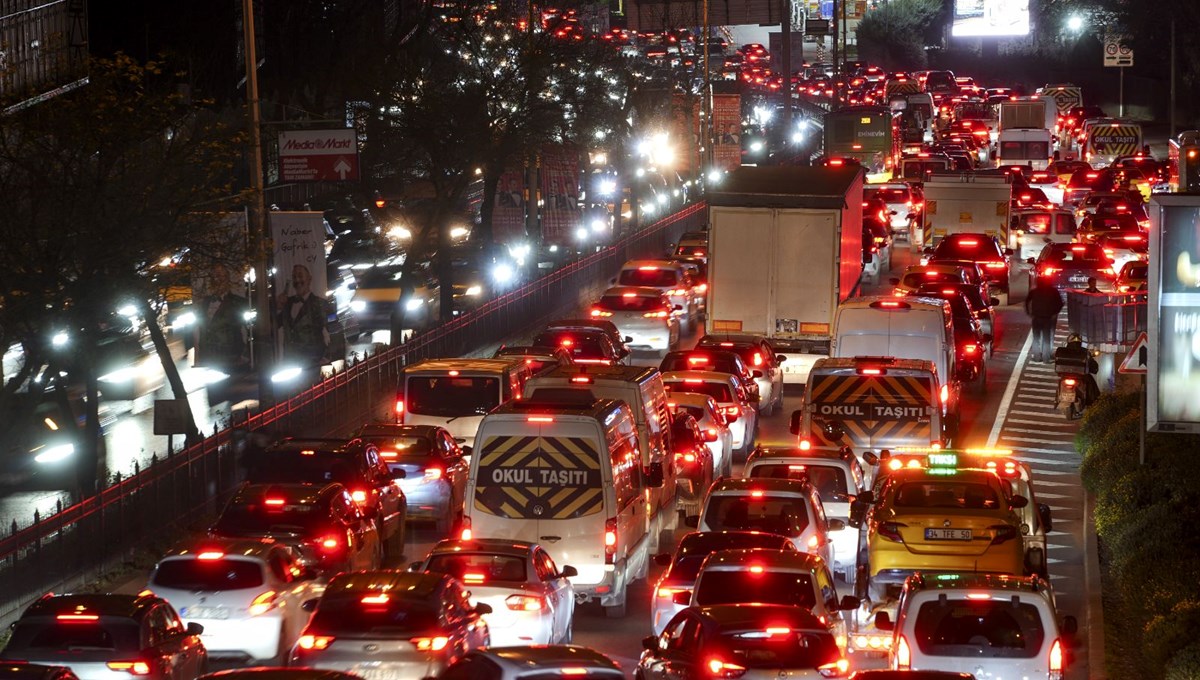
{"points": [[868, 134]]}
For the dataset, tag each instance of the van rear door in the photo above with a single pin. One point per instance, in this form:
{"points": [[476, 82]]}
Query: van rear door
{"points": [[874, 412]]}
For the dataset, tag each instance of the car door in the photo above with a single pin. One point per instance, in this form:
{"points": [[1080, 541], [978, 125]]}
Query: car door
{"points": [[297, 588], [456, 469], [361, 534], [168, 644], [561, 593], [391, 498], [679, 647]]}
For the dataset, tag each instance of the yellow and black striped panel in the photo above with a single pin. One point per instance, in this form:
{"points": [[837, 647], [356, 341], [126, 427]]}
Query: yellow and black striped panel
{"points": [[539, 478], [873, 411], [1115, 140]]}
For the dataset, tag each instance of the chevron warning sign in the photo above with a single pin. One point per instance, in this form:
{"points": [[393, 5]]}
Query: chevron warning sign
{"points": [[872, 411], [539, 478]]}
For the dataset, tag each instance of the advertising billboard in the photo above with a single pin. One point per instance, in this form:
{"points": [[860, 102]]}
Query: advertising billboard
{"points": [[990, 18], [1173, 373], [561, 212], [727, 130]]}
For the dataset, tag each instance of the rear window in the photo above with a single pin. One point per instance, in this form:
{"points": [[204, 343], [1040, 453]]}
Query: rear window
{"points": [[980, 629], [783, 516], [651, 276], [1135, 272], [1021, 149], [946, 494], [254, 518], [890, 195], [446, 396], [479, 568], [918, 279], [285, 467], [1113, 223], [758, 649], [720, 392], [1078, 252], [579, 345], [208, 575], [349, 614], [45, 635], [630, 302], [828, 480], [405, 449], [696, 362], [968, 248], [1039, 223], [768, 587], [691, 251]]}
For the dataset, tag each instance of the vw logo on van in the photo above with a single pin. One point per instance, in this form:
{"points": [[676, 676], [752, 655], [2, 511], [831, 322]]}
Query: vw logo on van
{"points": [[538, 510]]}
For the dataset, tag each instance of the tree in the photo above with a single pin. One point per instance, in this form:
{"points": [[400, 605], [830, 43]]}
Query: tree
{"points": [[893, 34], [97, 187]]}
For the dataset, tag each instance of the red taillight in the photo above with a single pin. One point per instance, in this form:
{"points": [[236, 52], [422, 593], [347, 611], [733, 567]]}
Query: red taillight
{"points": [[661, 314], [379, 598], [723, 669], [732, 411], [805, 445], [610, 540], [274, 502], [1057, 662], [262, 604], [870, 371], [995, 265], [1004, 533], [1069, 382], [430, 644], [130, 667], [317, 642], [359, 496], [540, 419], [969, 242], [945, 394], [432, 473], [466, 532], [758, 359], [903, 654], [399, 407], [524, 603], [330, 543], [836, 669], [210, 555], [77, 618], [891, 531], [1047, 271]]}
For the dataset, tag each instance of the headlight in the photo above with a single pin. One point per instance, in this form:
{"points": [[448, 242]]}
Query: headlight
{"points": [[120, 376], [502, 273], [184, 320], [607, 187], [60, 339], [399, 232], [599, 225], [413, 304], [459, 232], [756, 146], [249, 316], [581, 234], [54, 454], [358, 305], [286, 374], [474, 290], [128, 311]]}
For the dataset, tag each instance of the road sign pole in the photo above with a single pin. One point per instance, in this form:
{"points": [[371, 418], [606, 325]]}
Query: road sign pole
{"points": [[1121, 93], [1142, 429]]}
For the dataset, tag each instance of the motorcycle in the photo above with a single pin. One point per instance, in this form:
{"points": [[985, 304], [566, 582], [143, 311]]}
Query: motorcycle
{"points": [[1076, 388]]}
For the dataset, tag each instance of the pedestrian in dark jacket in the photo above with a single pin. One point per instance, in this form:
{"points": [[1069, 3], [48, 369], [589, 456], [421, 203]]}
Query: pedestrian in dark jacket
{"points": [[1043, 305]]}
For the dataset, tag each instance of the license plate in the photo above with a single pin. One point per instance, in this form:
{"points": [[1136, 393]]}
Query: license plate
{"points": [[204, 613], [380, 673], [1079, 278], [947, 534]]}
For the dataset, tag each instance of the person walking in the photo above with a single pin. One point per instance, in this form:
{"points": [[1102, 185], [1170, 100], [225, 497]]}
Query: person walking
{"points": [[1043, 305]]}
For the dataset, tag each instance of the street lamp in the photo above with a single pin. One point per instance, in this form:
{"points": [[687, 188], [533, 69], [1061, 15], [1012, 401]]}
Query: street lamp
{"points": [[1075, 23]]}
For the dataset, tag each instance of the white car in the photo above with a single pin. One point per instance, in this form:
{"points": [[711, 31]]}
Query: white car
{"points": [[531, 598], [989, 625], [765, 364], [247, 593], [1123, 248], [900, 202], [669, 277], [711, 420], [729, 394], [534, 663], [643, 315]]}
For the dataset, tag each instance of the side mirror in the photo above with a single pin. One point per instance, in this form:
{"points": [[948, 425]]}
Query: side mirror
{"points": [[1044, 517], [849, 603], [650, 644], [692, 521], [483, 608], [663, 559], [655, 475], [678, 308], [415, 566], [756, 374], [398, 473], [568, 571], [683, 598], [895, 281], [309, 605], [710, 435], [779, 358], [1018, 502], [835, 525], [194, 628], [794, 423], [867, 497], [993, 301], [466, 450], [870, 458], [1030, 261], [1069, 625], [883, 621]]}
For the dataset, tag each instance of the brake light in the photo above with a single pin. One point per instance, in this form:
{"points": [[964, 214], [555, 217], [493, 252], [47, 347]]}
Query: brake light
{"points": [[399, 407], [581, 379], [317, 642], [702, 288], [733, 411], [1057, 664], [600, 312], [1069, 382], [903, 654], [274, 502], [567, 342], [430, 644], [263, 603], [669, 593], [970, 348], [610, 540], [524, 603], [77, 618], [814, 542], [723, 669], [1004, 533], [834, 670], [945, 394], [661, 314], [994, 265], [433, 473], [329, 543], [758, 359], [870, 371], [891, 531], [466, 533], [381, 598], [131, 667], [805, 445], [1047, 271], [210, 555], [756, 569], [358, 496], [697, 360], [540, 419]]}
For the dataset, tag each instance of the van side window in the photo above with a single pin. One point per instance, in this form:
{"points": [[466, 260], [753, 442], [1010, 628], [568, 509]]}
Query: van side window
{"points": [[627, 471]]}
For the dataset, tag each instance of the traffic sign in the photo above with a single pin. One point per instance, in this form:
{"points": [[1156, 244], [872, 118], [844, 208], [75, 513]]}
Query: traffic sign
{"points": [[1117, 51], [1138, 358], [318, 155]]}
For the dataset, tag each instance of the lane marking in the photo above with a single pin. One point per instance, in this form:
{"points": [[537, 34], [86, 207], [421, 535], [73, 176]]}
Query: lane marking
{"points": [[1010, 390], [1042, 390], [1043, 423]]}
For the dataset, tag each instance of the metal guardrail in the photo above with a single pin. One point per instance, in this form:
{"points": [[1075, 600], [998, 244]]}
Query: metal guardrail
{"points": [[1106, 320], [159, 500]]}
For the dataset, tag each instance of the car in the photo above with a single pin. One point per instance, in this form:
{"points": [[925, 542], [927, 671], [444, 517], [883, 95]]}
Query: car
{"points": [[971, 344], [391, 624], [536, 358], [711, 420], [279, 673], [585, 345], [245, 592], [1123, 248], [1112, 203], [645, 316], [756, 351], [1032, 228], [531, 597], [533, 663], [787, 507], [692, 245], [1030, 197], [100, 637], [683, 565], [376, 303], [982, 249], [435, 469], [902, 203], [693, 461], [1133, 278], [590, 324], [981, 308], [888, 674], [669, 277], [991, 625], [1094, 226], [729, 393], [321, 520], [355, 463], [34, 671], [877, 248], [918, 275], [730, 641], [1068, 266], [837, 476], [779, 577], [723, 360], [1048, 183], [934, 519], [1084, 181]]}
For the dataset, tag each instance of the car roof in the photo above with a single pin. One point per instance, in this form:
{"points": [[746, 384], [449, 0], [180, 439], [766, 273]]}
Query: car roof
{"points": [[916, 303], [883, 674], [706, 376], [737, 486], [440, 365], [638, 291], [314, 444], [943, 581], [925, 474], [540, 656], [770, 560], [708, 540], [572, 324], [232, 547], [817, 454], [404, 584], [736, 338], [849, 365], [102, 604], [731, 615], [500, 546], [263, 673]]}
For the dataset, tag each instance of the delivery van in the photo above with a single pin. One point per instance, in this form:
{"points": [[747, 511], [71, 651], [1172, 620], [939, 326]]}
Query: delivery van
{"points": [[908, 328], [456, 393], [567, 475]]}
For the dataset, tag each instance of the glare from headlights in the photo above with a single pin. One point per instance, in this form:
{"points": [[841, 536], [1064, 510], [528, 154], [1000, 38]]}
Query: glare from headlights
{"points": [[55, 454], [413, 304], [714, 176], [286, 375], [581, 234], [756, 146], [663, 198], [459, 232], [184, 320], [121, 375], [607, 187], [474, 290], [358, 305], [398, 232], [60, 339], [599, 225], [502, 273], [249, 316], [128, 310]]}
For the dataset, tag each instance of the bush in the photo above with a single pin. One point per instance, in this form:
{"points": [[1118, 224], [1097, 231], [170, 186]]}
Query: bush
{"points": [[1185, 665]]}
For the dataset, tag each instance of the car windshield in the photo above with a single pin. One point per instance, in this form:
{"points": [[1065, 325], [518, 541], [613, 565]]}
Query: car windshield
{"points": [[479, 568], [648, 276], [631, 302], [949, 494], [828, 480], [1088, 254], [969, 248], [1135, 272], [979, 628], [404, 448], [348, 614], [580, 345], [1039, 223], [718, 391], [204, 575], [44, 636], [287, 467], [769, 587], [783, 516], [451, 396], [1113, 223], [918, 279]]}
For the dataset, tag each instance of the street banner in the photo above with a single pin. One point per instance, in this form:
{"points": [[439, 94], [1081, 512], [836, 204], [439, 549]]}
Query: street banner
{"points": [[300, 285], [727, 131], [561, 213], [318, 155], [1173, 325], [219, 300], [685, 133], [508, 212]]}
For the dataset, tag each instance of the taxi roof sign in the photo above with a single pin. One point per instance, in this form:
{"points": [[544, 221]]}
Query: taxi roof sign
{"points": [[942, 459]]}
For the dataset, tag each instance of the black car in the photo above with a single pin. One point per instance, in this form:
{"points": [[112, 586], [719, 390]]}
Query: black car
{"points": [[980, 248], [1070, 265], [355, 463], [693, 461], [585, 345], [33, 671]]}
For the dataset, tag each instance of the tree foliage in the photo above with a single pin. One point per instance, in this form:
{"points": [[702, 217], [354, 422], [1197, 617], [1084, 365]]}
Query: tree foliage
{"points": [[893, 34]]}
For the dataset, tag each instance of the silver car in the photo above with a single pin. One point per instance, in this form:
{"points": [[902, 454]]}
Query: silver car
{"points": [[642, 314], [391, 625]]}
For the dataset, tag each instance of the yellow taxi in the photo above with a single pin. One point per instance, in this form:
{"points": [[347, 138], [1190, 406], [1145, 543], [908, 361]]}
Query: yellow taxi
{"points": [[932, 515]]}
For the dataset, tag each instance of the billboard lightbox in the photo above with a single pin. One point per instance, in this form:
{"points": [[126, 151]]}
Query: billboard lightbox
{"points": [[990, 18], [1173, 373]]}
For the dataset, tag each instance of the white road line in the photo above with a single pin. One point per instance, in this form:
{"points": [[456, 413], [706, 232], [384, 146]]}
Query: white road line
{"points": [[1044, 423], [1044, 461], [1040, 390], [1024, 430], [1040, 397], [1010, 390], [1034, 413], [1039, 441]]}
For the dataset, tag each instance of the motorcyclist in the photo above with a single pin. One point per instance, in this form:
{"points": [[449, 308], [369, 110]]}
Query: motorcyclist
{"points": [[1074, 354]]}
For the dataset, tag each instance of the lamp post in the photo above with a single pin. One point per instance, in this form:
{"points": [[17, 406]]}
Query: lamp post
{"points": [[262, 349]]}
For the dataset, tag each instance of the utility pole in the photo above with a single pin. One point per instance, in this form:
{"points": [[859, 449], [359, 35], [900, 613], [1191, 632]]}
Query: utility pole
{"points": [[837, 71], [1172, 104], [531, 164], [786, 37], [263, 350], [706, 136]]}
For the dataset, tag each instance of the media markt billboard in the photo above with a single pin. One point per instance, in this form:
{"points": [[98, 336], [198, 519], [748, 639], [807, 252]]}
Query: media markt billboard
{"points": [[1173, 373], [318, 155], [990, 18]]}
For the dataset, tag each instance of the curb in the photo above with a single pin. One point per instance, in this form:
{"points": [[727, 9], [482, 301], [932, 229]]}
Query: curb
{"points": [[1091, 577]]}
